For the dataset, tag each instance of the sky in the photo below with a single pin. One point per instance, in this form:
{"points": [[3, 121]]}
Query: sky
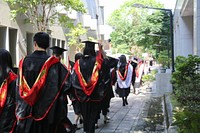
{"points": [[168, 4], [114, 4], [111, 5]]}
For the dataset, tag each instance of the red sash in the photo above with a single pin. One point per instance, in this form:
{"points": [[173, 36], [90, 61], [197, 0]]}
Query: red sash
{"points": [[4, 89], [89, 87], [125, 73], [138, 69], [30, 95]]}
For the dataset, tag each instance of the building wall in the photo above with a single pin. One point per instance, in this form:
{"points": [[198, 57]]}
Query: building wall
{"points": [[196, 27], [183, 40], [17, 37], [186, 28]]}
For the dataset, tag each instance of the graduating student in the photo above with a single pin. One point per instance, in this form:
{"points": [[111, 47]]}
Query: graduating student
{"points": [[42, 85], [89, 80], [7, 92], [134, 64], [75, 103], [110, 94], [139, 73], [58, 52], [105, 103], [124, 77]]}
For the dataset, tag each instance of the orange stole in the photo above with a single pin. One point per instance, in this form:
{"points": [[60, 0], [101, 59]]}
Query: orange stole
{"points": [[89, 87], [125, 73], [4, 89], [30, 95]]}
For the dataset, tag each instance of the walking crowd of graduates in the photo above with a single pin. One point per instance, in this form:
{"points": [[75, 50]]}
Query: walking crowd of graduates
{"points": [[35, 99]]}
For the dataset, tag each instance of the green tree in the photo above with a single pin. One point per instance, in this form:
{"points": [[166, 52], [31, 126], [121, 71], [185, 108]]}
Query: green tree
{"points": [[42, 13], [155, 30], [74, 36], [132, 26]]}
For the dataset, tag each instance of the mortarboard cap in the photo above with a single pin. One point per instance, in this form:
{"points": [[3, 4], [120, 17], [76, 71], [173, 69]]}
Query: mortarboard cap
{"points": [[90, 44], [113, 61], [57, 50], [15, 70], [71, 63]]}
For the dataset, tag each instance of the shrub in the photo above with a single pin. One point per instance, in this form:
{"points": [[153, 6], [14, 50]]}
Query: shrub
{"points": [[186, 88], [186, 83], [147, 78], [187, 121]]}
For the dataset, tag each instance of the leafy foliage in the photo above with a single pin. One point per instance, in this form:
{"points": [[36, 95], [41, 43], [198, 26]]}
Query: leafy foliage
{"points": [[149, 77], [187, 92], [163, 58], [42, 13], [132, 26], [186, 82], [74, 36], [187, 121]]}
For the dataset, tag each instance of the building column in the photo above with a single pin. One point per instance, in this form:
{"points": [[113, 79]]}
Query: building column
{"points": [[196, 27], [17, 51], [7, 46]]}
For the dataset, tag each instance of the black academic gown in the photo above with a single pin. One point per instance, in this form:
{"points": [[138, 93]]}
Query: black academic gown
{"points": [[48, 114], [109, 91], [7, 115], [90, 105], [122, 92], [134, 64]]}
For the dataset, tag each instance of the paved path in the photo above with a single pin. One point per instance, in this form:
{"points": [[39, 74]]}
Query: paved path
{"points": [[124, 119]]}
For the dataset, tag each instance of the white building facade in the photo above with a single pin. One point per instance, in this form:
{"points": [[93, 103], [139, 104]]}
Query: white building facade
{"points": [[187, 28], [17, 37]]}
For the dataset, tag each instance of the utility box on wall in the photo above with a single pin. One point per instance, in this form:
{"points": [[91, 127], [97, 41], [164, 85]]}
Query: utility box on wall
{"points": [[163, 84]]}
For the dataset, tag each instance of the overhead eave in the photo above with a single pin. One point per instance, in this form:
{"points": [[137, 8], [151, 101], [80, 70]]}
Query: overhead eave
{"points": [[187, 8]]}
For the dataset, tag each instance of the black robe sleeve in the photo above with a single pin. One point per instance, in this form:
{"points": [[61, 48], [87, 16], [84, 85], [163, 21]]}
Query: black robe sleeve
{"points": [[49, 111], [7, 117]]}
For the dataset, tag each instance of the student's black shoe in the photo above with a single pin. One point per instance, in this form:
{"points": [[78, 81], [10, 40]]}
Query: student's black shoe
{"points": [[126, 102], [108, 110], [96, 126], [76, 127], [81, 121]]}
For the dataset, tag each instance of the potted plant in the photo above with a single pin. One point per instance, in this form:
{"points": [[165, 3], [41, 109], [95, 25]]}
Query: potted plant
{"points": [[163, 60], [148, 78]]}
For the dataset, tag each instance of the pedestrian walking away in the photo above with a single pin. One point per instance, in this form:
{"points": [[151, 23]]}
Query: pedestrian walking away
{"points": [[124, 77], [7, 92], [134, 64], [58, 52], [42, 85], [88, 79], [75, 102]]}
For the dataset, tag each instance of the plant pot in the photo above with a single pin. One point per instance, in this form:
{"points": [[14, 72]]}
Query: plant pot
{"points": [[163, 70], [149, 89]]}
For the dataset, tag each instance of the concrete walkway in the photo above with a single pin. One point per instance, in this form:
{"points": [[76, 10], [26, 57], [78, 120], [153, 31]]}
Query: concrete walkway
{"points": [[130, 118], [123, 118]]}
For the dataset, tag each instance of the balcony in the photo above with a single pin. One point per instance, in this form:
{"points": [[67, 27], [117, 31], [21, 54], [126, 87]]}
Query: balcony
{"points": [[86, 21], [102, 29], [103, 2], [71, 14], [93, 24], [61, 9], [187, 8]]}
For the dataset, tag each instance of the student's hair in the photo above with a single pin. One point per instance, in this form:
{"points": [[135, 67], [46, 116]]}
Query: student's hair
{"points": [[42, 39], [122, 59], [90, 52], [78, 56], [5, 64]]}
